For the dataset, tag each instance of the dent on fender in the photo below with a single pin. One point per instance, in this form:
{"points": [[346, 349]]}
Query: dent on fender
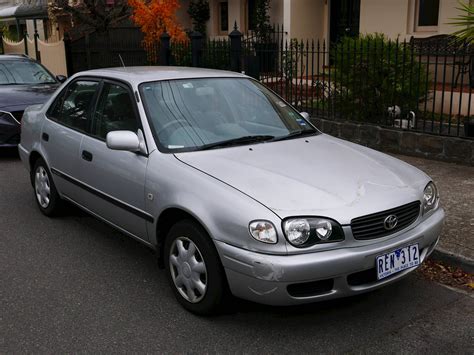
{"points": [[263, 269]]}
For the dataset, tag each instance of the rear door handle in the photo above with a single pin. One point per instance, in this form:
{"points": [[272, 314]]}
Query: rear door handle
{"points": [[45, 136], [87, 155]]}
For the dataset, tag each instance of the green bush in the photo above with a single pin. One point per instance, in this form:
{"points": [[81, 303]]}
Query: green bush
{"points": [[371, 74]]}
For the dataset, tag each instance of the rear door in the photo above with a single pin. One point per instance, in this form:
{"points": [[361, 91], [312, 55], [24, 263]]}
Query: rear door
{"points": [[68, 119], [116, 178]]}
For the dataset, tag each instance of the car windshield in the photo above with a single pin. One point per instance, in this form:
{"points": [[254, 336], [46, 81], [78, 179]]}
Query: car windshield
{"points": [[196, 114], [19, 72]]}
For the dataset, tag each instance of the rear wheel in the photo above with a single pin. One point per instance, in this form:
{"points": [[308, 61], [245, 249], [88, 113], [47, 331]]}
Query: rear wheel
{"points": [[46, 195], [194, 269]]}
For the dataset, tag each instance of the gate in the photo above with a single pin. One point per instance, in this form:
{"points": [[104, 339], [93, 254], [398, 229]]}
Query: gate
{"points": [[106, 49]]}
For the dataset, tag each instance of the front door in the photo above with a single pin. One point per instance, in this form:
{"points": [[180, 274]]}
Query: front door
{"points": [[62, 133], [345, 16], [115, 179]]}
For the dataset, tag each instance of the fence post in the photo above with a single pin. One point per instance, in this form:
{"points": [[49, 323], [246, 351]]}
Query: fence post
{"points": [[25, 42], [196, 48], [36, 35], [235, 48], [68, 54], [164, 55]]}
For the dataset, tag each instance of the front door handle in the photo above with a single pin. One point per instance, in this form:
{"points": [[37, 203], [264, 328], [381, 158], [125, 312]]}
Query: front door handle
{"points": [[87, 155], [45, 136]]}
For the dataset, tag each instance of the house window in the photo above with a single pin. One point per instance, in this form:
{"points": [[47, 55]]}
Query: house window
{"points": [[224, 16], [426, 15], [252, 13]]}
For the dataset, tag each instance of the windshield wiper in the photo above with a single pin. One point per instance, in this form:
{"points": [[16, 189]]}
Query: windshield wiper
{"points": [[237, 141], [296, 134]]}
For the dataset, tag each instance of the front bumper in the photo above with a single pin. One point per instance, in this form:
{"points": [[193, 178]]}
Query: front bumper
{"points": [[304, 278]]}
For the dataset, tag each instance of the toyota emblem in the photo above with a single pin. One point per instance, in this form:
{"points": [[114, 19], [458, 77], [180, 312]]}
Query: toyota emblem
{"points": [[390, 222]]}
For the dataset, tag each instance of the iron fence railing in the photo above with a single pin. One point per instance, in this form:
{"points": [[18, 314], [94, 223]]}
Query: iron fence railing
{"points": [[423, 85]]}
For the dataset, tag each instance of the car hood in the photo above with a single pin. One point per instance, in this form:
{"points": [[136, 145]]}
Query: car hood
{"points": [[18, 97], [314, 176]]}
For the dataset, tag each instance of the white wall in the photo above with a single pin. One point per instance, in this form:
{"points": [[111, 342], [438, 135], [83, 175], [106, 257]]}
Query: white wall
{"points": [[396, 18], [307, 19]]}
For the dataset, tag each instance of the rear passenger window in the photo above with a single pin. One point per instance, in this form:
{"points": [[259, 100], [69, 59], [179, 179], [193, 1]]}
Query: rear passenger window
{"points": [[114, 111], [73, 109]]}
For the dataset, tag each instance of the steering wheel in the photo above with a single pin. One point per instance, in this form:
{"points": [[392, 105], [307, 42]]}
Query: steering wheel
{"points": [[169, 125]]}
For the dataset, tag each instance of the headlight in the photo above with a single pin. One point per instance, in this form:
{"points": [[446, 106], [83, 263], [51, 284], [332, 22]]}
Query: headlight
{"points": [[304, 232], [263, 231], [297, 231], [430, 197]]}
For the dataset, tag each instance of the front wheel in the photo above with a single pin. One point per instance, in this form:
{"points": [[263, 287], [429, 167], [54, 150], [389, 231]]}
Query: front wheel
{"points": [[193, 268], [46, 195]]}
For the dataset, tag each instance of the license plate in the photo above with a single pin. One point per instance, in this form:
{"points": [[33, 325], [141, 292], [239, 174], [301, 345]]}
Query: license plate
{"points": [[397, 260]]}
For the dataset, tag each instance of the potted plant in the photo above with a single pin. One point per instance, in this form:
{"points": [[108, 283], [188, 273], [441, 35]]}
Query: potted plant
{"points": [[266, 48]]}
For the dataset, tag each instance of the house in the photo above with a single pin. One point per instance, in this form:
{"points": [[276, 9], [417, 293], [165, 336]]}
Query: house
{"points": [[27, 16], [331, 19]]}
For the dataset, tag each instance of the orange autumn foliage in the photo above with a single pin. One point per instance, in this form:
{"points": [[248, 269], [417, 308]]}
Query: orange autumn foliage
{"points": [[156, 16]]}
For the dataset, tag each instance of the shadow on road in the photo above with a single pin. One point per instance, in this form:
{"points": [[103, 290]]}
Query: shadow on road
{"points": [[9, 154]]}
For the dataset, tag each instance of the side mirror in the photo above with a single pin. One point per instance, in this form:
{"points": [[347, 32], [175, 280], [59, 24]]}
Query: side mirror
{"points": [[123, 140], [305, 115], [61, 78]]}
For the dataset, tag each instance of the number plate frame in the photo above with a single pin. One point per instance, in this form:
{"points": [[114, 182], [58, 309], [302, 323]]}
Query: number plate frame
{"points": [[395, 263]]}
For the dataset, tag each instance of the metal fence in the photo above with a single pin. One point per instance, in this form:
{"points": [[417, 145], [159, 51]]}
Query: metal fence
{"points": [[422, 85]]}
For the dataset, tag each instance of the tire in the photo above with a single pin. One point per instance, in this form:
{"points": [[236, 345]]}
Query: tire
{"points": [[198, 280], [46, 196]]}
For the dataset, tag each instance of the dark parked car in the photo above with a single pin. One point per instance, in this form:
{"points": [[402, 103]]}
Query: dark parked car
{"points": [[23, 82]]}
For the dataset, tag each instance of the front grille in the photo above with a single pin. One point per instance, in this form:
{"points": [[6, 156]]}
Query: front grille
{"points": [[372, 225], [18, 115]]}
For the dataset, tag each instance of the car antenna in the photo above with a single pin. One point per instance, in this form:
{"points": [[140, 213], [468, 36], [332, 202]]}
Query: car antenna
{"points": [[121, 60]]}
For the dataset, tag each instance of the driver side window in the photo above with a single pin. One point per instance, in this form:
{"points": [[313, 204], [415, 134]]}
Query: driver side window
{"points": [[114, 111]]}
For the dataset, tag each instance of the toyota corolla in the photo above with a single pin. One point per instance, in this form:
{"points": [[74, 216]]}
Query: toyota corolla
{"points": [[236, 191]]}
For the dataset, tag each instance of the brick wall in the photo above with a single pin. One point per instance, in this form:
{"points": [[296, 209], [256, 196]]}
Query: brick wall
{"points": [[449, 149]]}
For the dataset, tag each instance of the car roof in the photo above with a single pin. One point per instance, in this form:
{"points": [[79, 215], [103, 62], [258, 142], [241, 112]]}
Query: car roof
{"points": [[139, 75]]}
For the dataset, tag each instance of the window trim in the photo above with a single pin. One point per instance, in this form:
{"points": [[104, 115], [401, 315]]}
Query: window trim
{"points": [[219, 18], [101, 81], [416, 13]]}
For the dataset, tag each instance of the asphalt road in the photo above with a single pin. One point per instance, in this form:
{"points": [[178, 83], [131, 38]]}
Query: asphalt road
{"points": [[74, 284]]}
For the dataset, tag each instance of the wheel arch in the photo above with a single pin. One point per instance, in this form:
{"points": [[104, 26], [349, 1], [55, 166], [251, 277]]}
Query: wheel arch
{"points": [[167, 218], [32, 159]]}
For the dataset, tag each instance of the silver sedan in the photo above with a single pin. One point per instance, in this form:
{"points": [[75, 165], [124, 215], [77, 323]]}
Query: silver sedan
{"points": [[236, 191]]}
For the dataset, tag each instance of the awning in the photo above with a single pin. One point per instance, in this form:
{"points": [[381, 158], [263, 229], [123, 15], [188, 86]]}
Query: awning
{"points": [[24, 12], [8, 12], [31, 11]]}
